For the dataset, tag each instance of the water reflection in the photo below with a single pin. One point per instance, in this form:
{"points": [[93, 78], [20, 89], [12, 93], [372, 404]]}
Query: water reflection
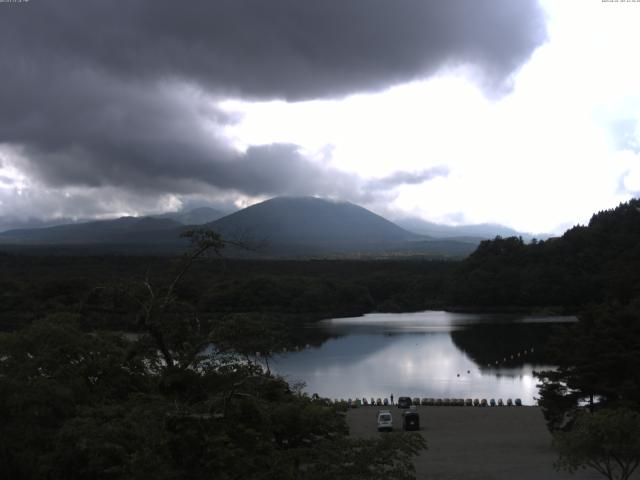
{"points": [[418, 354]]}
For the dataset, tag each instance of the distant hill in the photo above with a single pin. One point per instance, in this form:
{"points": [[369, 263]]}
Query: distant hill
{"points": [[122, 230], [476, 232], [15, 223], [311, 221], [309, 226], [284, 226], [197, 216], [158, 229]]}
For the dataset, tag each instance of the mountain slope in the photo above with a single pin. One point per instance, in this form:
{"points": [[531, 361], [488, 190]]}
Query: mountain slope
{"points": [[197, 216], [15, 223], [122, 230], [160, 229], [312, 222]]}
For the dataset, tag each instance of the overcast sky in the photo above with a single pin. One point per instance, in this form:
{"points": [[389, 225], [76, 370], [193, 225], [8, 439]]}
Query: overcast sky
{"points": [[523, 113]]}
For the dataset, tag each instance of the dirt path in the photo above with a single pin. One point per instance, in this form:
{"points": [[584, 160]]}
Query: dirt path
{"points": [[499, 443]]}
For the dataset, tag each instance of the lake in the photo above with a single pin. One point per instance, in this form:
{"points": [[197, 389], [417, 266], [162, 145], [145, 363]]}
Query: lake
{"points": [[425, 354]]}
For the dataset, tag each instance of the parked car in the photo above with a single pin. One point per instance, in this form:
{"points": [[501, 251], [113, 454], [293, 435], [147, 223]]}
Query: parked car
{"points": [[385, 420], [410, 420], [404, 402]]}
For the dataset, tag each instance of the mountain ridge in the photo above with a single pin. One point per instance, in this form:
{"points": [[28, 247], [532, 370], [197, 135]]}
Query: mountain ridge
{"points": [[312, 221], [477, 231], [285, 226]]}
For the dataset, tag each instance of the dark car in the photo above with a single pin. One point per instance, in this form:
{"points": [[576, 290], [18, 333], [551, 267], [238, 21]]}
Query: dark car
{"points": [[410, 420], [404, 402]]}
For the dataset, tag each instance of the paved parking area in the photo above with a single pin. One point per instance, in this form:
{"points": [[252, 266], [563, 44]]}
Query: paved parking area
{"points": [[477, 443]]}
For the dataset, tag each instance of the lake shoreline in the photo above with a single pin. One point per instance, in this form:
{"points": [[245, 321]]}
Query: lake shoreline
{"points": [[492, 310]]}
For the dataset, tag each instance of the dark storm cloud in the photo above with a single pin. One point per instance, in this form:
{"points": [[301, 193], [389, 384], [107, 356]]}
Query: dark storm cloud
{"points": [[280, 48], [102, 94], [154, 137]]}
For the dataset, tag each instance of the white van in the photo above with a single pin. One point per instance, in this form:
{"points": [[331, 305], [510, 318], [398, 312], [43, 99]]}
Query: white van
{"points": [[385, 420]]}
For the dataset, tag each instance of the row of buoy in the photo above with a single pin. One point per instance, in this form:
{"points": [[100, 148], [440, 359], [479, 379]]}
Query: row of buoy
{"points": [[514, 356], [431, 402]]}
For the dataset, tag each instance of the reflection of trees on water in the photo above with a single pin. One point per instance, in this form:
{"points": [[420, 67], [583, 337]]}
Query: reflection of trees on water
{"points": [[300, 337], [509, 345]]}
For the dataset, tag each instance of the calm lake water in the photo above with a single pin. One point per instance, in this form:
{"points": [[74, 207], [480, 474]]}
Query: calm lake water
{"points": [[425, 354]]}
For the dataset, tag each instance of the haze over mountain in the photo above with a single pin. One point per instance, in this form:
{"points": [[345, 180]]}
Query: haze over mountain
{"points": [[480, 231], [283, 226], [8, 222], [122, 230], [197, 216]]}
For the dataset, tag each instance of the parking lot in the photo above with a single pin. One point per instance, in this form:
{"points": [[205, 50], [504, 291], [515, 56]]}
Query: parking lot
{"points": [[501, 443]]}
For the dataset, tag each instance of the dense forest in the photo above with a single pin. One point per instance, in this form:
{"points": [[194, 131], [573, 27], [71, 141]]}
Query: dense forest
{"points": [[96, 287], [588, 264]]}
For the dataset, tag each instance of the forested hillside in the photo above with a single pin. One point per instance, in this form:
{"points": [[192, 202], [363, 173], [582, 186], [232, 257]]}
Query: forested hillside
{"points": [[588, 264], [96, 287]]}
